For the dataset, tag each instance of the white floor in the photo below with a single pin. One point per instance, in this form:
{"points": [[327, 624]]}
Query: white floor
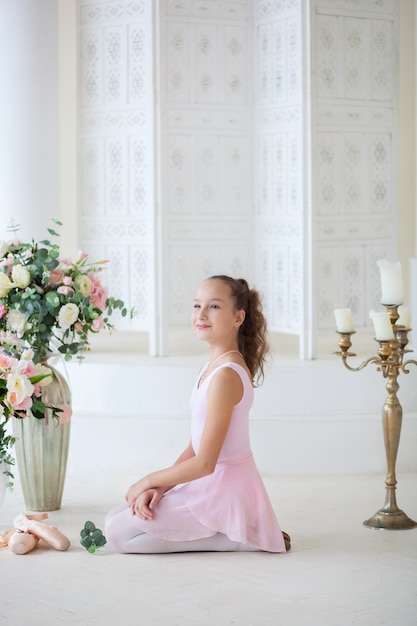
{"points": [[337, 573]]}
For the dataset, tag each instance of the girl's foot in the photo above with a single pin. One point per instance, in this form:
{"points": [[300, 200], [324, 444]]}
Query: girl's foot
{"points": [[287, 540], [32, 524], [22, 543]]}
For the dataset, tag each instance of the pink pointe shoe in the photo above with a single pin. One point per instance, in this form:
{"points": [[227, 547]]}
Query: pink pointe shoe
{"points": [[22, 543], [18, 542], [49, 534]]}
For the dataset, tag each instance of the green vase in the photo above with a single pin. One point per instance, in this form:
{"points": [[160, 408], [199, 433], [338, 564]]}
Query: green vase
{"points": [[42, 449]]}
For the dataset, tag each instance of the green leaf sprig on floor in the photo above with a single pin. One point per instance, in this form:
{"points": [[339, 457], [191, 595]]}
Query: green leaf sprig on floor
{"points": [[92, 538]]}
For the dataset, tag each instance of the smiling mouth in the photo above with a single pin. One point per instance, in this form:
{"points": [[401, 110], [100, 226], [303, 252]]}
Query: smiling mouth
{"points": [[202, 326]]}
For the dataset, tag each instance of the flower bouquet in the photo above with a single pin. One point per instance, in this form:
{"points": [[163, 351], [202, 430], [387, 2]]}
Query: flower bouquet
{"points": [[48, 303]]}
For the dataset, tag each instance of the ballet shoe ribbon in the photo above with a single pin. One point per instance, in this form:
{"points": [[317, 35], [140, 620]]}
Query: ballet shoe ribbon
{"points": [[5, 537]]}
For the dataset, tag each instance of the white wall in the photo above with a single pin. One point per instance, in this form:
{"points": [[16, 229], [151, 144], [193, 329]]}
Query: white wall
{"points": [[132, 413]]}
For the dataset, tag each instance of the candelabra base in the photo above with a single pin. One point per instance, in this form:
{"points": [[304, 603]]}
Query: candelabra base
{"points": [[390, 520]]}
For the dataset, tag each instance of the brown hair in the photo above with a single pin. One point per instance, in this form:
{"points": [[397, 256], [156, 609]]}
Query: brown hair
{"points": [[252, 334]]}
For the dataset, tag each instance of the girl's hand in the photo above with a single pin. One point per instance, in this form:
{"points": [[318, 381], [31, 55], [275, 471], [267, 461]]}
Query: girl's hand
{"points": [[146, 502], [134, 492]]}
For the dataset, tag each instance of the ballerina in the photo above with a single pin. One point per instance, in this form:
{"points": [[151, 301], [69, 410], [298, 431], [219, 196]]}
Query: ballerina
{"points": [[219, 502]]}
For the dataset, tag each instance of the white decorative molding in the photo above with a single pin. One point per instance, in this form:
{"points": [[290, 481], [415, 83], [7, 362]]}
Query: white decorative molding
{"points": [[113, 121], [233, 121], [207, 9], [372, 8], [94, 12], [210, 230], [358, 228], [341, 114]]}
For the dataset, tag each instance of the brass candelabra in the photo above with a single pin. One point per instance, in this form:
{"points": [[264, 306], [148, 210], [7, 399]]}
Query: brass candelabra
{"points": [[390, 361]]}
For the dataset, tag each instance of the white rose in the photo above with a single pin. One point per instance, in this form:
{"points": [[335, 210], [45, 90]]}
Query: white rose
{"points": [[68, 314], [21, 277], [17, 323], [42, 370], [27, 355], [5, 285], [21, 386], [83, 284], [4, 248]]}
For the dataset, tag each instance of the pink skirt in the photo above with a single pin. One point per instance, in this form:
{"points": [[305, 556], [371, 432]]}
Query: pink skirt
{"points": [[232, 500]]}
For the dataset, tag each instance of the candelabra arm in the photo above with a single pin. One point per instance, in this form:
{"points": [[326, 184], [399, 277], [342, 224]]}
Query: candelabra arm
{"points": [[345, 343], [404, 365], [372, 359]]}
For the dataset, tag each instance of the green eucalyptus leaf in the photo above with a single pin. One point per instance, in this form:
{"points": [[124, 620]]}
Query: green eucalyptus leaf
{"points": [[101, 541], [53, 232], [96, 535], [86, 542]]}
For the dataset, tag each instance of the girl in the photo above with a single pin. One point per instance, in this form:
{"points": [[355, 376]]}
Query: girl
{"points": [[222, 504]]}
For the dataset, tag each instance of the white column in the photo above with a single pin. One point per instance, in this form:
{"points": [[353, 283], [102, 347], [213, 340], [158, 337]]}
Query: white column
{"points": [[413, 261], [29, 150], [68, 129]]}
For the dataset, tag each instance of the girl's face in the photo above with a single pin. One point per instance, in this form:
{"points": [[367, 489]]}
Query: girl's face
{"points": [[214, 317]]}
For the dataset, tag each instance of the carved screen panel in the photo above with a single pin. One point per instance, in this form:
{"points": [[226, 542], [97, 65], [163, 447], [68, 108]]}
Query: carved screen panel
{"points": [[354, 147], [116, 148], [279, 163], [205, 149]]}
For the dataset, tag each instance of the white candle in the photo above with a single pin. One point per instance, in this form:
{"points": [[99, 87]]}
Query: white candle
{"points": [[392, 286], [405, 316], [344, 321], [382, 325]]}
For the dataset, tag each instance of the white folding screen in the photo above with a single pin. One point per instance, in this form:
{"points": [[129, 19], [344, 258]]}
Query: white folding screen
{"points": [[255, 138], [205, 146], [354, 154], [116, 149], [280, 188]]}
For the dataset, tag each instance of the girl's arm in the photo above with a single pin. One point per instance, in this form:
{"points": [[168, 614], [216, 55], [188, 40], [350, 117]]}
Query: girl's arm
{"points": [[224, 392]]}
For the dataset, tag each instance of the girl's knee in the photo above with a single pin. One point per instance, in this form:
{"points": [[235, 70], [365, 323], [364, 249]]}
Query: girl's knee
{"points": [[113, 534]]}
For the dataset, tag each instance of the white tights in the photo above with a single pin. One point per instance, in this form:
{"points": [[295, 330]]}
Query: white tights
{"points": [[127, 538]]}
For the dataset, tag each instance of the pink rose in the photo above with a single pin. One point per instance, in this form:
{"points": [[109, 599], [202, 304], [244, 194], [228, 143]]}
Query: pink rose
{"points": [[80, 256], [66, 414], [78, 327], [12, 398], [98, 294], [29, 370], [5, 361], [97, 324], [64, 290], [3, 310], [67, 280], [56, 277]]}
